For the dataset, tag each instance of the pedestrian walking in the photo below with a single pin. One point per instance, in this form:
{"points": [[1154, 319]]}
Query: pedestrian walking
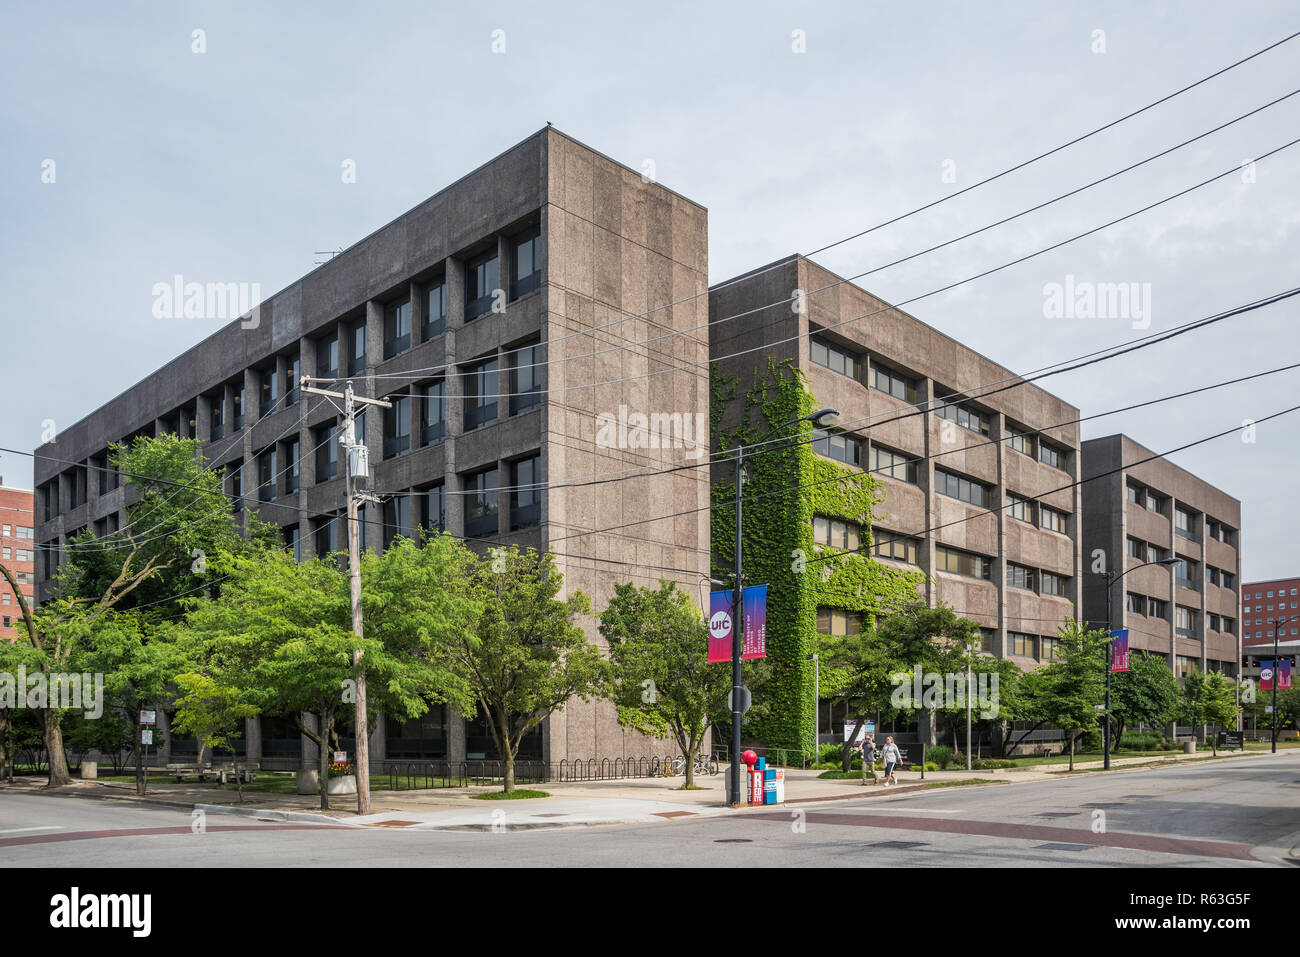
{"points": [[891, 756], [869, 760]]}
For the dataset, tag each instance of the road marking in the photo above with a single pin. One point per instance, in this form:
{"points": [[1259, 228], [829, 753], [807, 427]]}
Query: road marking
{"points": [[917, 810], [19, 830]]}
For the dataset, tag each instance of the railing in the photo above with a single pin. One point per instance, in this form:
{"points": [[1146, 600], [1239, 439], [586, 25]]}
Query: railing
{"points": [[423, 775], [782, 757]]}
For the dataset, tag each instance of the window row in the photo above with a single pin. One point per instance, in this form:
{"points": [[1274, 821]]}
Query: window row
{"points": [[1035, 513]]}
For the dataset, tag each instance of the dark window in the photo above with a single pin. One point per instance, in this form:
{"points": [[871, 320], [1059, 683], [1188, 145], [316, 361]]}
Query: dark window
{"points": [[433, 412], [357, 340], [239, 407], [327, 535], [526, 379], [837, 621], [422, 738], [967, 490], [433, 503], [896, 548], [235, 478], [837, 445], [217, 416], [527, 260], [327, 357], [526, 496], [1020, 508], [896, 465], [1051, 455], [292, 467], [291, 541], [397, 426], [397, 328], [268, 391], [397, 519], [266, 475], [326, 440], [894, 383], [481, 388], [836, 533], [960, 563], [481, 503], [833, 357], [1022, 442], [966, 418], [1018, 576], [291, 375], [481, 283], [435, 311]]}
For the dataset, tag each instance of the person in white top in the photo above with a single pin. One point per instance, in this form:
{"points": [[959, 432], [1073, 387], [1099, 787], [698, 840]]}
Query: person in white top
{"points": [[891, 756]]}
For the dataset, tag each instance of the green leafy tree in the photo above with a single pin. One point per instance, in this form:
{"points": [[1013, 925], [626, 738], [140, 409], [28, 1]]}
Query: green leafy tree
{"points": [[663, 682], [1074, 683], [526, 657], [857, 669], [214, 714], [1208, 698], [1145, 694]]}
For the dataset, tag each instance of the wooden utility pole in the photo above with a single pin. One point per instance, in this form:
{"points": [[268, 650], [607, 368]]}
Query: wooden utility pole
{"points": [[356, 465]]}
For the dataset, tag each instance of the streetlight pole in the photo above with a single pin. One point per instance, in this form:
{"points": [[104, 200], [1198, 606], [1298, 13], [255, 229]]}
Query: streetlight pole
{"points": [[1276, 622], [968, 677], [737, 604], [1111, 579]]}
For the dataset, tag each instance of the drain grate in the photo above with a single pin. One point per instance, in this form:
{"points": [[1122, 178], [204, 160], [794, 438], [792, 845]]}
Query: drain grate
{"points": [[394, 823], [1063, 847], [899, 845]]}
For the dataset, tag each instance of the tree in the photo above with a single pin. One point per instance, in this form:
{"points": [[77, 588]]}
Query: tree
{"points": [[526, 657], [1074, 683], [1147, 693], [857, 669], [1208, 698], [213, 713], [663, 681]]}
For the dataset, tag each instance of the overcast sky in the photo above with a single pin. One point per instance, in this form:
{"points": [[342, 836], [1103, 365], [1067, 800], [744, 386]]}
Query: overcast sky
{"points": [[225, 166]]}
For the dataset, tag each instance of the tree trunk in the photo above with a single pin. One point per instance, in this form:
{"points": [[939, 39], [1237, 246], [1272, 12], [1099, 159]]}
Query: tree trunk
{"points": [[1071, 734], [139, 768], [510, 770], [323, 747], [690, 765], [59, 775]]}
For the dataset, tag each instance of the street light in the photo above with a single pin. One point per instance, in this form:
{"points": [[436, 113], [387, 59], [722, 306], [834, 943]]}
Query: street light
{"points": [[1276, 622], [1111, 580], [737, 601], [816, 659]]}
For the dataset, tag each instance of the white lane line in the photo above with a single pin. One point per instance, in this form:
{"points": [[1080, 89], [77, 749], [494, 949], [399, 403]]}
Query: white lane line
{"points": [[19, 830]]}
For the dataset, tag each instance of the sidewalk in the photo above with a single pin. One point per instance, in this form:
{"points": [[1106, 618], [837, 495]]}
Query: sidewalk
{"points": [[640, 800]]}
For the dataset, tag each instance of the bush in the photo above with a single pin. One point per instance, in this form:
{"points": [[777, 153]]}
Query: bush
{"points": [[992, 764], [832, 755], [1142, 741], [1091, 742], [940, 754]]}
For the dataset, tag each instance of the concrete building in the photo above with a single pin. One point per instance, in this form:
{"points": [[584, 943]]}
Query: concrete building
{"points": [[979, 485], [17, 553], [494, 316], [1141, 508]]}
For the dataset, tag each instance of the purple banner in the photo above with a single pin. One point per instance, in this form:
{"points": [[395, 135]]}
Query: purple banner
{"points": [[1284, 675], [1119, 650], [754, 641]]}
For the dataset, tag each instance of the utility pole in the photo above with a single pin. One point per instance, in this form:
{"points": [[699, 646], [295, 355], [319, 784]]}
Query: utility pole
{"points": [[356, 465], [968, 677], [1276, 623]]}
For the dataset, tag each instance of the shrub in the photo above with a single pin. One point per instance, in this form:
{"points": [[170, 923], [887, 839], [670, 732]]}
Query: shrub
{"points": [[940, 754], [991, 764], [1142, 741]]}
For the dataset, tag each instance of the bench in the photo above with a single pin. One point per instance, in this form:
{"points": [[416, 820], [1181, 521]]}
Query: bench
{"points": [[224, 775]]}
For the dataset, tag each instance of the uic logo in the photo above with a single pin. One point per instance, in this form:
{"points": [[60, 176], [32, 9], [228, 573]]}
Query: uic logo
{"points": [[720, 625]]}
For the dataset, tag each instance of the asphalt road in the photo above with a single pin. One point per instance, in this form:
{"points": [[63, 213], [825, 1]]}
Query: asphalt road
{"points": [[1228, 813]]}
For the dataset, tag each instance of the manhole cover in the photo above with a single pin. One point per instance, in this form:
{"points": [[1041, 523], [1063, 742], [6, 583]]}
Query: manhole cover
{"points": [[1056, 814], [899, 845], [733, 840], [1062, 847], [394, 823]]}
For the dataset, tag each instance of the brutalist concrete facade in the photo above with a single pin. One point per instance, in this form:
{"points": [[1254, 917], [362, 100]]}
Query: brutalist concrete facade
{"points": [[606, 248], [1139, 507], [927, 367]]}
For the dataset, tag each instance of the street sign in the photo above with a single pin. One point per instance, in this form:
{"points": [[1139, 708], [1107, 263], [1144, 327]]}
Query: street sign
{"points": [[146, 736], [746, 699], [340, 757], [148, 717]]}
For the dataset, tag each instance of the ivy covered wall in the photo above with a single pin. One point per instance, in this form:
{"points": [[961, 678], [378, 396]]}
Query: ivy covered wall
{"points": [[786, 485]]}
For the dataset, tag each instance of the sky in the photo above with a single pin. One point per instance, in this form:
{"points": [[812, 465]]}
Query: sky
{"points": [[796, 125]]}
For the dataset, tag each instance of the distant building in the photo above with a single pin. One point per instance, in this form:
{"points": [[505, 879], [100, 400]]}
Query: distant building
{"points": [[1261, 603], [18, 554]]}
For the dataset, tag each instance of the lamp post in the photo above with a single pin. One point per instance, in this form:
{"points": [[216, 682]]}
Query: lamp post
{"points": [[1111, 580], [968, 677], [1276, 623], [816, 659], [738, 606]]}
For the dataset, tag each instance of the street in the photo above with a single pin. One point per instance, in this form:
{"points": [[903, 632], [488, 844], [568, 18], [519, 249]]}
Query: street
{"points": [[1231, 813]]}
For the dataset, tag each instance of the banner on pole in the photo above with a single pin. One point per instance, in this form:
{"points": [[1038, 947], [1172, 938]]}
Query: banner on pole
{"points": [[1119, 650], [1266, 675], [753, 627], [1284, 674]]}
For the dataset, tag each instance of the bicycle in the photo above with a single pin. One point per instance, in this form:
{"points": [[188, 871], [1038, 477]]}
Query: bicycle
{"points": [[702, 765]]}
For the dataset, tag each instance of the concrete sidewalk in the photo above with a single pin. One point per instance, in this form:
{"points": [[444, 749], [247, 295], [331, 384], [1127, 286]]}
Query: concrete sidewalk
{"points": [[641, 800]]}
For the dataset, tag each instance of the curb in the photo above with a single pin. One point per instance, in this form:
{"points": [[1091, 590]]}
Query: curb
{"points": [[303, 817], [87, 796]]}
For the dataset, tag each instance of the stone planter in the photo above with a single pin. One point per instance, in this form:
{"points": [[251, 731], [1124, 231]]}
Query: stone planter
{"points": [[309, 781], [89, 770], [344, 785]]}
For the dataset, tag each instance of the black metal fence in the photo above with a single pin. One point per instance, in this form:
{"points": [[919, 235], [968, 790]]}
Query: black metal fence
{"points": [[417, 775]]}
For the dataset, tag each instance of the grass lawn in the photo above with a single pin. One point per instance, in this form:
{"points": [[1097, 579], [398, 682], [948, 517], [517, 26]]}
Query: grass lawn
{"points": [[518, 794], [963, 781]]}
